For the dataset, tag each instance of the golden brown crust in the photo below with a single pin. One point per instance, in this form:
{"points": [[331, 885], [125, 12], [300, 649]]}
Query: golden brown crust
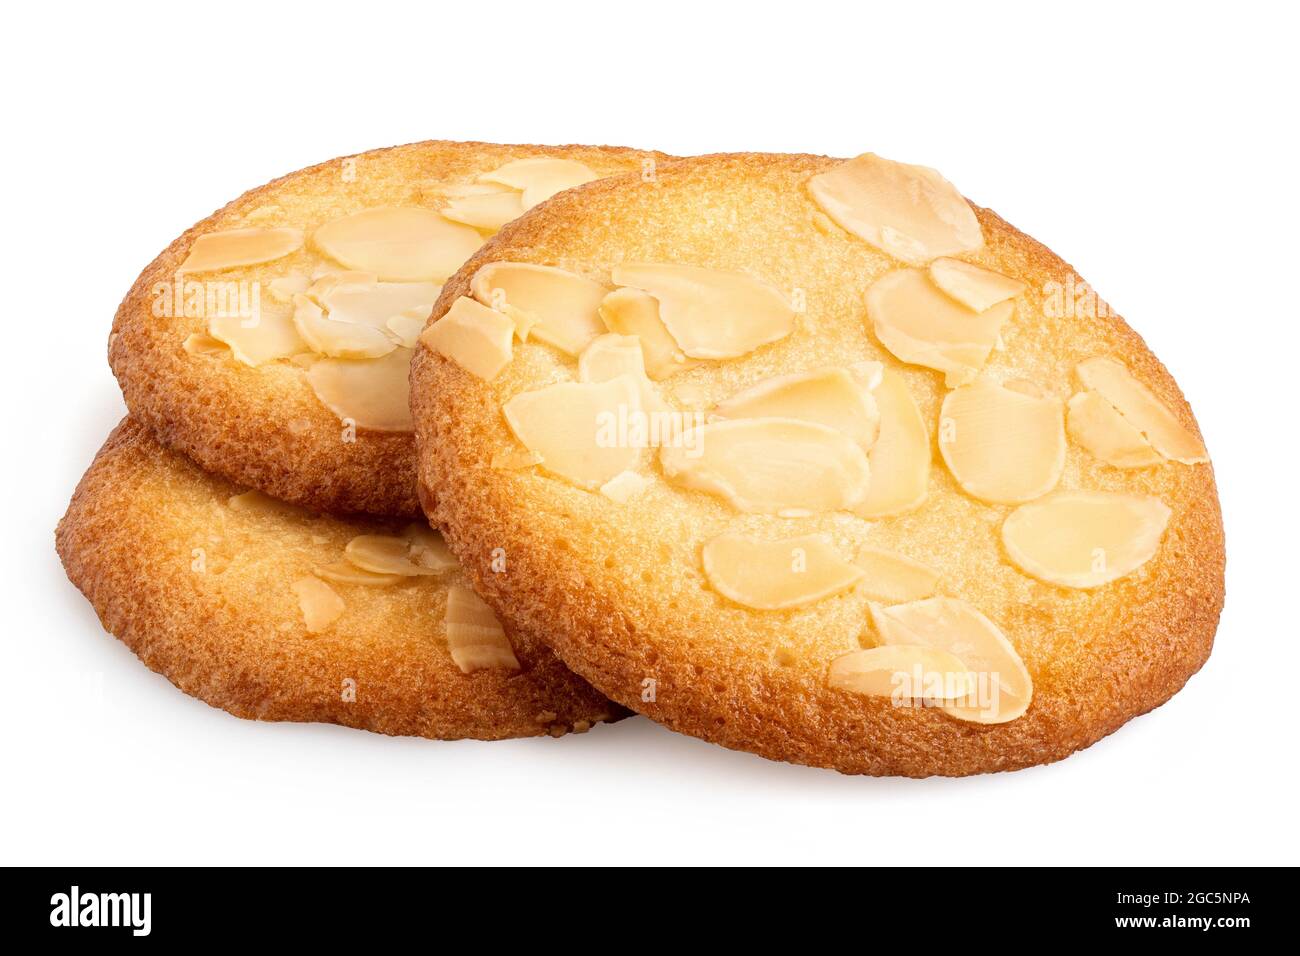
{"points": [[202, 593], [264, 427], [618, 591]]}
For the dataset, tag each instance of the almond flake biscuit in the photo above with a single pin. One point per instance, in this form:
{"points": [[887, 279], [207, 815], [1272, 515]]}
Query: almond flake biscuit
{"points": [[271, 342], [816, 459], [272, 613]]}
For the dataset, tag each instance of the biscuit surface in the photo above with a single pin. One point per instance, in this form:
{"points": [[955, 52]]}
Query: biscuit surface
{"points": [[620, 592], [203, 592], [264, 427]]}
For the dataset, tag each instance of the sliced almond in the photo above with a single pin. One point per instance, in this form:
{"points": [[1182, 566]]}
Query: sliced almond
{"points": [[892, 578], [321, 606], [201, 343], [830, 397], [383, 554], [1139, 405], [428, 549], [1095, 424], [397, 310], [565, 305], [524, 321], [407, 326], [257, 503], [900, 457], [272, 336], [284, 288], [1003, 685], [398, 244], [573, 427], [974, 287], [488, 211], [611, 355], [374, 303], [1024, 386], [1084, 539], [826, 225], [1002, 446], [903, 671], [776, 575], [240, 247], [478, 339], [633, 312], [386, 554], [461, 190], [868, 375], [909, 212], [323, 285], [922, 326], [711, 314], [346, 340], [625, 486], [770, 465], [540, 177], [345, 572], [474, 635], [372, 393]]}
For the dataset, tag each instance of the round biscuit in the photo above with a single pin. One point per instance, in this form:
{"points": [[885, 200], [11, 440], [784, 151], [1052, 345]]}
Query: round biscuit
{"points": [[203, 593], [619, 590], [264, 427]]}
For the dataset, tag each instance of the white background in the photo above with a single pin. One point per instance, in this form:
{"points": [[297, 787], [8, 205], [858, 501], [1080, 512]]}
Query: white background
{"points": [[1153, 148]]}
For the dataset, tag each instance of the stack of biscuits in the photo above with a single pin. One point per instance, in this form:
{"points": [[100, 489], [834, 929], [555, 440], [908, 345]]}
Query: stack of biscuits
{"points": [[807, 457]]}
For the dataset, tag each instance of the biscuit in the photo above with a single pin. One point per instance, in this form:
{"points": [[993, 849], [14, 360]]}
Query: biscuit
{"points": [[250, 605], [921, 503], [264, 394]]}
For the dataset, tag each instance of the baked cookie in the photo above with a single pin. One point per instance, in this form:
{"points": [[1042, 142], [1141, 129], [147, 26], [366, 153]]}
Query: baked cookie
{"points": [[832, 466], [268, 612], [271, 341]]}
